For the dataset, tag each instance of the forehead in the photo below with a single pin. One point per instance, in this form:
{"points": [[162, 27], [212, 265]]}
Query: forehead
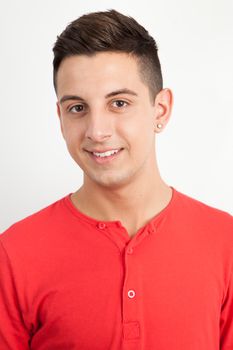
{"points": [[104, 70]]}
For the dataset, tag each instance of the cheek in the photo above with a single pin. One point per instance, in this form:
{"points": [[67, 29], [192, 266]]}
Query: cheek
{"points": [[72, 133], [73, 142], [137, 130]]}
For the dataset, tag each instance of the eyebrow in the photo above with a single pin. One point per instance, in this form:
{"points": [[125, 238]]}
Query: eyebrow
{"points": [[110, 94]]}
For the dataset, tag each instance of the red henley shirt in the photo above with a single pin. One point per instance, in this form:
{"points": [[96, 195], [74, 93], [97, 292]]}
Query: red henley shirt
{"points": [[68, 281]]}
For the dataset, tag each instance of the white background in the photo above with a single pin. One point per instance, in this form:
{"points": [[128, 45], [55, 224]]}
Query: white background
{"points": [[195, 40]]}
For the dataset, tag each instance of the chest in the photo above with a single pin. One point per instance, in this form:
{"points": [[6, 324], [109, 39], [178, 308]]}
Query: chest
{"points": [[105, 299]]}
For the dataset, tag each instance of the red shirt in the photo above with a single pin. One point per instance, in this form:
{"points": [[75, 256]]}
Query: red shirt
{"points": [[68, 281]]}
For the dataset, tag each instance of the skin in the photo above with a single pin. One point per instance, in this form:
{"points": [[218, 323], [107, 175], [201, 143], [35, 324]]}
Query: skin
{"points": [[130, 187]]}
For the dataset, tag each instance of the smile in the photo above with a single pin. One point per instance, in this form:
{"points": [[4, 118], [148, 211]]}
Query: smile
{"points": [[105, 154], [105, 157]]}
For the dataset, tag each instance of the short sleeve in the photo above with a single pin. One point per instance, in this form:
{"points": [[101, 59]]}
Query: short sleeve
{"points": [[13, 332], [226, 319]]}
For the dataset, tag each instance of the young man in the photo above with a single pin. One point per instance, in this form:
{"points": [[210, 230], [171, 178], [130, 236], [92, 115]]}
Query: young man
{"points": [[125, 262]]}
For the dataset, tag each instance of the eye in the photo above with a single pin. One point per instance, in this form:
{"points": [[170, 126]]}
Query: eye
{"points": [[76, 109], [120, 103]]}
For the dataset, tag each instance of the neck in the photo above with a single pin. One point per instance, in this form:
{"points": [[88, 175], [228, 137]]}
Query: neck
{"points": [[133, 204]]}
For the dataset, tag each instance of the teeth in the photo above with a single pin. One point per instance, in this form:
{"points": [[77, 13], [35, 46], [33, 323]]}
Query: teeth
{"points": [[105, 154]]}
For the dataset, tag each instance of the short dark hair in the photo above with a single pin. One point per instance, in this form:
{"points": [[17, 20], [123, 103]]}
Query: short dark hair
{"points": [[110, 31]]}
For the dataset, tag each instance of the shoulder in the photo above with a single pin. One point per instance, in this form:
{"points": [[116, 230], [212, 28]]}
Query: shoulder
{"points": [[208, 229], [202, 214], [36, 224]]}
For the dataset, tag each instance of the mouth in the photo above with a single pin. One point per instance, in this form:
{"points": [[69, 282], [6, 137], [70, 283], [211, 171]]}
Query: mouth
{"points": [[105, 157]]}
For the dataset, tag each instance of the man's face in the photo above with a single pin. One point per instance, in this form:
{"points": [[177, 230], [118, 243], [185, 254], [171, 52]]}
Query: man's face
{"points": [[112, 110]]}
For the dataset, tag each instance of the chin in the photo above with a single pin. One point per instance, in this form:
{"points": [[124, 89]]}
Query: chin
{"points": [[110, 180]]}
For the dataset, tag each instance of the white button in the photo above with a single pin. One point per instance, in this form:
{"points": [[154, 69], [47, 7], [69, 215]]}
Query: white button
{"points": [[131, 293], [101, 225]]}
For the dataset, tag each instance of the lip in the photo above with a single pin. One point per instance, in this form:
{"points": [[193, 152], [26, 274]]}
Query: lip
{"points": [[104, 160]]}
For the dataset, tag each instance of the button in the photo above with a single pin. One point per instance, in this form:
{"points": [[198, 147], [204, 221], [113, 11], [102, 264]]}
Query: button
{"points": [[101, 225], [130, 251], [131, 293], [152, 230]]}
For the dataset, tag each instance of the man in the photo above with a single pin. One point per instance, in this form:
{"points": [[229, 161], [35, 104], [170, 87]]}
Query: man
{"points": [[125, 262]]}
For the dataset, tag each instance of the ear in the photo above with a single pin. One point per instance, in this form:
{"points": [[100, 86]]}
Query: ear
{"points": [[163, 108], [59, 116]]}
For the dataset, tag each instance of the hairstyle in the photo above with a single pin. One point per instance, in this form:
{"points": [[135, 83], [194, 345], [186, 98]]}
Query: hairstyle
{"points": [[110, 31]]}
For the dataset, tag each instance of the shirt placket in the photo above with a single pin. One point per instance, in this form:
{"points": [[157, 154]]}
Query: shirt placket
{"points": [[132, 316], [131, 288]]}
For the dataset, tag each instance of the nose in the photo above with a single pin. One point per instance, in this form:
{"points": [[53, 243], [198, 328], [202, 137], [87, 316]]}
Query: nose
{"points": [[99, 127]]}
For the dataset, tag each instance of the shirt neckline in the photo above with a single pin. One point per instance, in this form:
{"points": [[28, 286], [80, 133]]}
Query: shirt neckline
{"points": [[70, 205]]}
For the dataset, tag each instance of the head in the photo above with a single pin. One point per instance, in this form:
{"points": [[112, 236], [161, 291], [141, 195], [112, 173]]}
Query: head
{"points": [[108, 81], [110, 31]]}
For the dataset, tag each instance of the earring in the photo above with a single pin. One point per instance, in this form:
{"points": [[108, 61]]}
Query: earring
{"points": [[159, 126]]}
